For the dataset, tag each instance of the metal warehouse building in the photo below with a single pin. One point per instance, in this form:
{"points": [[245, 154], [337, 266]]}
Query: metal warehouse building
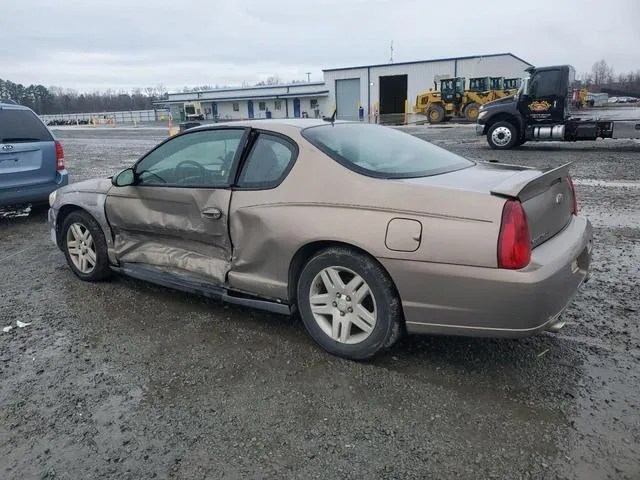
{"points": [[384, 88], [378, 89]]}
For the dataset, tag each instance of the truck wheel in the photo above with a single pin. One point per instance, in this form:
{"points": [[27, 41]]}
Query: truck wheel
{"points": [[435, 114], [502, 136], [471, 111]]}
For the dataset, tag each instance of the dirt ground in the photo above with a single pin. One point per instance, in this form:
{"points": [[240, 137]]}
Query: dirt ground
{"points": [[127, 380]]}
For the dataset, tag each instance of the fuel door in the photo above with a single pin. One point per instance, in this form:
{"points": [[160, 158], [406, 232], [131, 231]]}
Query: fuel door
{"points": [[403, 235]]}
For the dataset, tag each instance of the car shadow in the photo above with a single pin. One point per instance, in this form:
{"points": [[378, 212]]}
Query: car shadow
{"points": [[546, 363]]}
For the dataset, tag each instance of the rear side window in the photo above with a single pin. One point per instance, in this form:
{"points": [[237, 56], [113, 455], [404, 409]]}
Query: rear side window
{"points": [[382, 152], [269, 161], [22, 126]]}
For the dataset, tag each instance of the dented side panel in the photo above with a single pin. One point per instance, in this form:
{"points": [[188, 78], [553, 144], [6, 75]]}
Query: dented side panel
{"points": [[320, 200], [172, 228]]}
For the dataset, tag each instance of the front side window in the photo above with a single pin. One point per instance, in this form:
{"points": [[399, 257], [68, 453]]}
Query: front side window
{"points": [[268, 162], [382, 152], [201, 158], [545, 83]]}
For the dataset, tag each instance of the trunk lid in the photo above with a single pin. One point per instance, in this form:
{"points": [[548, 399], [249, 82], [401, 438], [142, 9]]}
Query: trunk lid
{"points": [[546, 196], [547, 199], [27, 149]]}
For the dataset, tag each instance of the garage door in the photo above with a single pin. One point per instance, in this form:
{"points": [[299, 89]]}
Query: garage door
{"points": [[347, 98]]}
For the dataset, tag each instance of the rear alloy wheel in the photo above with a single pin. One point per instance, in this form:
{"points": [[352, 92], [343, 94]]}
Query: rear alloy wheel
{"points": [[502, 136], [471, 111], [85, 247], [435, 114], [349, 304]]}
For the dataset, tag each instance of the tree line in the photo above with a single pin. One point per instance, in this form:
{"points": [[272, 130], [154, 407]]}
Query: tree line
{"points": [[56, 100], [602, 74]]}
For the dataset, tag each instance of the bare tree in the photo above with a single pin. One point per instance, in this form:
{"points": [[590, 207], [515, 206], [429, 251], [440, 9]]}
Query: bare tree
{"points": [[602, 73]]}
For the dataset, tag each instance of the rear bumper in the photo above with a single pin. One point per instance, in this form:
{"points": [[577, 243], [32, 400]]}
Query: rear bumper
{"points": [[463, 300], [38, 193]]}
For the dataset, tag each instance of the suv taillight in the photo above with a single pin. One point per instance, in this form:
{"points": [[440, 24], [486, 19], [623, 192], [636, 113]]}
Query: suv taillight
{"points": [[514, 241], [59, 156], [573, 193]]}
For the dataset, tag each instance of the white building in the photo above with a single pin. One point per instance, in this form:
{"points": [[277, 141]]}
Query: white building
{"points": [[282, 101], [379, 89]]}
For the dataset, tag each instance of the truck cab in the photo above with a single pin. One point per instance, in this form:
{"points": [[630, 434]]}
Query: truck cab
{"points": [[541, 101]]}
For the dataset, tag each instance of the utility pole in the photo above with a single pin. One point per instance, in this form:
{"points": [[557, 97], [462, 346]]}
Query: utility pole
{"points": [[308, 77]]}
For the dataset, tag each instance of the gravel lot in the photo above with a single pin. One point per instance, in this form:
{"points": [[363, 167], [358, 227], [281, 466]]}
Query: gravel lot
{"points": [[128, 380]]}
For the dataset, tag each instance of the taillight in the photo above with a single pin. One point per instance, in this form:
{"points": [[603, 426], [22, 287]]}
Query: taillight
{"points": [[59, 156], [573, 194], [514, 241]]}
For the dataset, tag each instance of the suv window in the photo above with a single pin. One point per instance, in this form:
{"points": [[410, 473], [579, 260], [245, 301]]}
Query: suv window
{"points": [[268, 162], [202, 158], [382, 152], [17, 125]]}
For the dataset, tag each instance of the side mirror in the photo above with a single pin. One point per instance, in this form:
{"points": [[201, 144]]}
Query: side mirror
{"points": [[124, 178]]}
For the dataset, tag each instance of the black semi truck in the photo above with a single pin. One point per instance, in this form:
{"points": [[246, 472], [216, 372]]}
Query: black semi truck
{"points": [[540, 111]]}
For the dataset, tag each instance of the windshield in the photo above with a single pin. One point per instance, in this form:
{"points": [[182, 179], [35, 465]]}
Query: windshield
{"points": [[382, 152]]}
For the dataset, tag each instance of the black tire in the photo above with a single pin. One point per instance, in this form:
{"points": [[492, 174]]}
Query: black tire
{"points": [[435, 114], [506, 136], [389, 322], [471, 111], [101, 269]]}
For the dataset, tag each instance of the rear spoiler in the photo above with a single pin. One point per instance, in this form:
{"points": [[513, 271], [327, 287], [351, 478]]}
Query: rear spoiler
{"points": [[528, 183]]}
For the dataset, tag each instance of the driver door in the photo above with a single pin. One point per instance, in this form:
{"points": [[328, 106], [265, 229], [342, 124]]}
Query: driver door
{"points": [[176, 215]]}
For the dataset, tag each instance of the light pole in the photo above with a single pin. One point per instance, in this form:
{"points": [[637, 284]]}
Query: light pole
{"points": [[308, 77]]}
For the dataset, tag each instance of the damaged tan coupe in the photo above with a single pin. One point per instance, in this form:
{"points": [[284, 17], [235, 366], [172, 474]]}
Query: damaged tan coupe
{"points": [[366, 231]]}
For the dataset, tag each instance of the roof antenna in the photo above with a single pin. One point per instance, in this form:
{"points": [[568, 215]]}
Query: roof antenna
{"points": [[332, 118]]}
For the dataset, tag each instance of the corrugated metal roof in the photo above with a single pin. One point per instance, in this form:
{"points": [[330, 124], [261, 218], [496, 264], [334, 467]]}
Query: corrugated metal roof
{"points": [[470, 57]]}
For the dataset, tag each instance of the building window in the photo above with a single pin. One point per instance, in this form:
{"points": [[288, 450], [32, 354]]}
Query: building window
{"points": [[262, 106], [313, 103], [277, 105], [236, 107]]}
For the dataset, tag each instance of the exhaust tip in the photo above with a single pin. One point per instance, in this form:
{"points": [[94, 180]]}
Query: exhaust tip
{"points": [[556, 326]]}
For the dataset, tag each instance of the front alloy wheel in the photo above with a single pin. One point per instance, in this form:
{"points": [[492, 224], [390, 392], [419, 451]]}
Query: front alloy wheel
{"points": [[81, 248], [85, 247]]}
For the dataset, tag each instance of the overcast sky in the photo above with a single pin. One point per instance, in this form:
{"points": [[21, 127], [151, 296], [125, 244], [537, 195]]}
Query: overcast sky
{"points": [[96, 44]]}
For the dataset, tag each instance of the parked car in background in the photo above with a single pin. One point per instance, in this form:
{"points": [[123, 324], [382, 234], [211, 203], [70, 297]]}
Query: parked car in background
{"points": [[364, 230], [31, 159]]}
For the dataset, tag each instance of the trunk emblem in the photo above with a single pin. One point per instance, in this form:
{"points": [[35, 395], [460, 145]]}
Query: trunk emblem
{"points": [[559, 199], [7, 147]]}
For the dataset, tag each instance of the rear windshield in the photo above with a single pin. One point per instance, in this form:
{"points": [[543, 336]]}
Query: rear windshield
{"points": [[382, 152], [22, 126]]}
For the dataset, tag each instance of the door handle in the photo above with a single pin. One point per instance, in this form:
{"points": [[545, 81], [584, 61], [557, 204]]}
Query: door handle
{"points": [[213, 212]]}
